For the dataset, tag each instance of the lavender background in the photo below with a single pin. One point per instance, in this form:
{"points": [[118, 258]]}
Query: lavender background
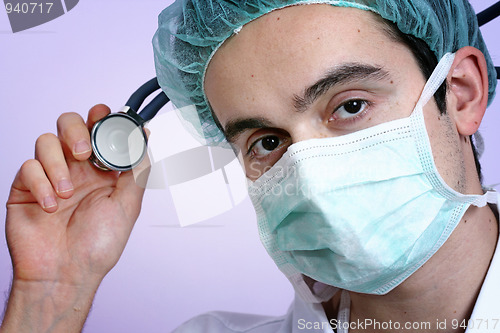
{"points": [[100, 52]]}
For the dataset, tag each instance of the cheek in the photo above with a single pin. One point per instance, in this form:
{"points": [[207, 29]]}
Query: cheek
{"points": [[446, 147]]}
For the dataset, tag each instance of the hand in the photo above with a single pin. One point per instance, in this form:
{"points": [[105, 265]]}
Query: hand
{"points": [[68, 222]]}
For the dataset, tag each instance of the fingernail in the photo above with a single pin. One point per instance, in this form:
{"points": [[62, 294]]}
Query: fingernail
{"points": [[81, 147], [64, 185], [49, 202]]}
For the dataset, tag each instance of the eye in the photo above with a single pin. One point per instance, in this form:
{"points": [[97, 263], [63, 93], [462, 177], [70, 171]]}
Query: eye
{"points": [[349, 109], [265, 145]]}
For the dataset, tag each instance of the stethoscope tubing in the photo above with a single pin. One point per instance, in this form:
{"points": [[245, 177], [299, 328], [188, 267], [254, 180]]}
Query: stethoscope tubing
{"points": [[486, 16]]}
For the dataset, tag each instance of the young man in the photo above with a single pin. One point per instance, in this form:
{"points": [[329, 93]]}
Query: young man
{"points": [[360, 183]]}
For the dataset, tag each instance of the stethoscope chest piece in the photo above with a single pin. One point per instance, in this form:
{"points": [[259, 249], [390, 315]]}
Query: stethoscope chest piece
{"points": [[118, 142]]}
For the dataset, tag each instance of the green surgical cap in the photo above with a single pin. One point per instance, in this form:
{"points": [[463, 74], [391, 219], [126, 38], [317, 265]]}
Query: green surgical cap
{"points": [[191, 31]]}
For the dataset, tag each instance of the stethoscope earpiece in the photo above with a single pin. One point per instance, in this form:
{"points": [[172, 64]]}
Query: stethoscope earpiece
{"points": [[118, 140]]}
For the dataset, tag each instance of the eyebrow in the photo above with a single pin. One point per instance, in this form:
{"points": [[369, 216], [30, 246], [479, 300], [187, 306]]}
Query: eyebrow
{"points": [[235, 127], [340, 75]]}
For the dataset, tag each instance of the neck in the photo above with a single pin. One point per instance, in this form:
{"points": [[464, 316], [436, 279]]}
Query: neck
{"points": [[453, 276]]}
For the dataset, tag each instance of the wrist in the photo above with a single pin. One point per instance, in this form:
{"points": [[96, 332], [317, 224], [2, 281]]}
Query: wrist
{"points": [[42, 306]]}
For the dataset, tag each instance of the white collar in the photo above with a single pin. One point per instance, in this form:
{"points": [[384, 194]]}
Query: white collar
{"points": [[486, 314]]}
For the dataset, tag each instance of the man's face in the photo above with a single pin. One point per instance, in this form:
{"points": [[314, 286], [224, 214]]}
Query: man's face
{"points": [[316, 71]]}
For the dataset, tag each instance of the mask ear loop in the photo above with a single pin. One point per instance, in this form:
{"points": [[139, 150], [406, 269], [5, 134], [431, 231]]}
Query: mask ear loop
{"points": [[436, 79], [486, 16]]}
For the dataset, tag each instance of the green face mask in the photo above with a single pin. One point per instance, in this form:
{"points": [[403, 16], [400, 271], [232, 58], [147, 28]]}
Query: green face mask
{"points": [[360, 212]]}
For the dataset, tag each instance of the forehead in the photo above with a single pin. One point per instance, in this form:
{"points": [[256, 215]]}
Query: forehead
{"points": [[279, 53]]}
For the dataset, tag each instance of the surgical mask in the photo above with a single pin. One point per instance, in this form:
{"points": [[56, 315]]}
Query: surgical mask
{"points": [[363, 211]]}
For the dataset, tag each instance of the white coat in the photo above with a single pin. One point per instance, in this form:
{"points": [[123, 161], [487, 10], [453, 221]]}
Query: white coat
{"points": [[304, 317]]}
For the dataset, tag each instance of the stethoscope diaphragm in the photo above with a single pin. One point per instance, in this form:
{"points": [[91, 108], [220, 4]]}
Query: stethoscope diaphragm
{"points": [[118, 142]]}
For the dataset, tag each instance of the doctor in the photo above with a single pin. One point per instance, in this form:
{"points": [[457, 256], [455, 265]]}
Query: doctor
{"points": [[364, 177]]}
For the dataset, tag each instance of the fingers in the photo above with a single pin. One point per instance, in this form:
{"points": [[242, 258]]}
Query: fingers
{"points": [[31, 177], [48, 175], [49, 153], [73, 141], [96, 113], [74, 135], [74, 132]]}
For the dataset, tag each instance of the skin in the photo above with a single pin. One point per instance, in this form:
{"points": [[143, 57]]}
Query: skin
{"points": [[258, 73], [68, 223], [61, 253]]}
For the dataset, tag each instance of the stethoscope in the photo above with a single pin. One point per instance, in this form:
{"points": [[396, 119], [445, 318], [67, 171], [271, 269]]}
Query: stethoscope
{"points": [[119, 141], [486, 16]]}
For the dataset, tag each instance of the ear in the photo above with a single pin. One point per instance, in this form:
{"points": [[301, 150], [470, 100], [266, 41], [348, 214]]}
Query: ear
{"points": [[467, 95]]}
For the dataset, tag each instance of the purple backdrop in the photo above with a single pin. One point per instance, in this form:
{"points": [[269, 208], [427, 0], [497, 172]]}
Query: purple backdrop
{"points": [[99, 53]]}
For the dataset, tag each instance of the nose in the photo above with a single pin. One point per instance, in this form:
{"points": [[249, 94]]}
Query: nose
{"points": [[305, 130]]}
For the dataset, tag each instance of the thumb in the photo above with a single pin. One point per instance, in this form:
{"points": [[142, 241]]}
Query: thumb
{"points": [[130, 188]]}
